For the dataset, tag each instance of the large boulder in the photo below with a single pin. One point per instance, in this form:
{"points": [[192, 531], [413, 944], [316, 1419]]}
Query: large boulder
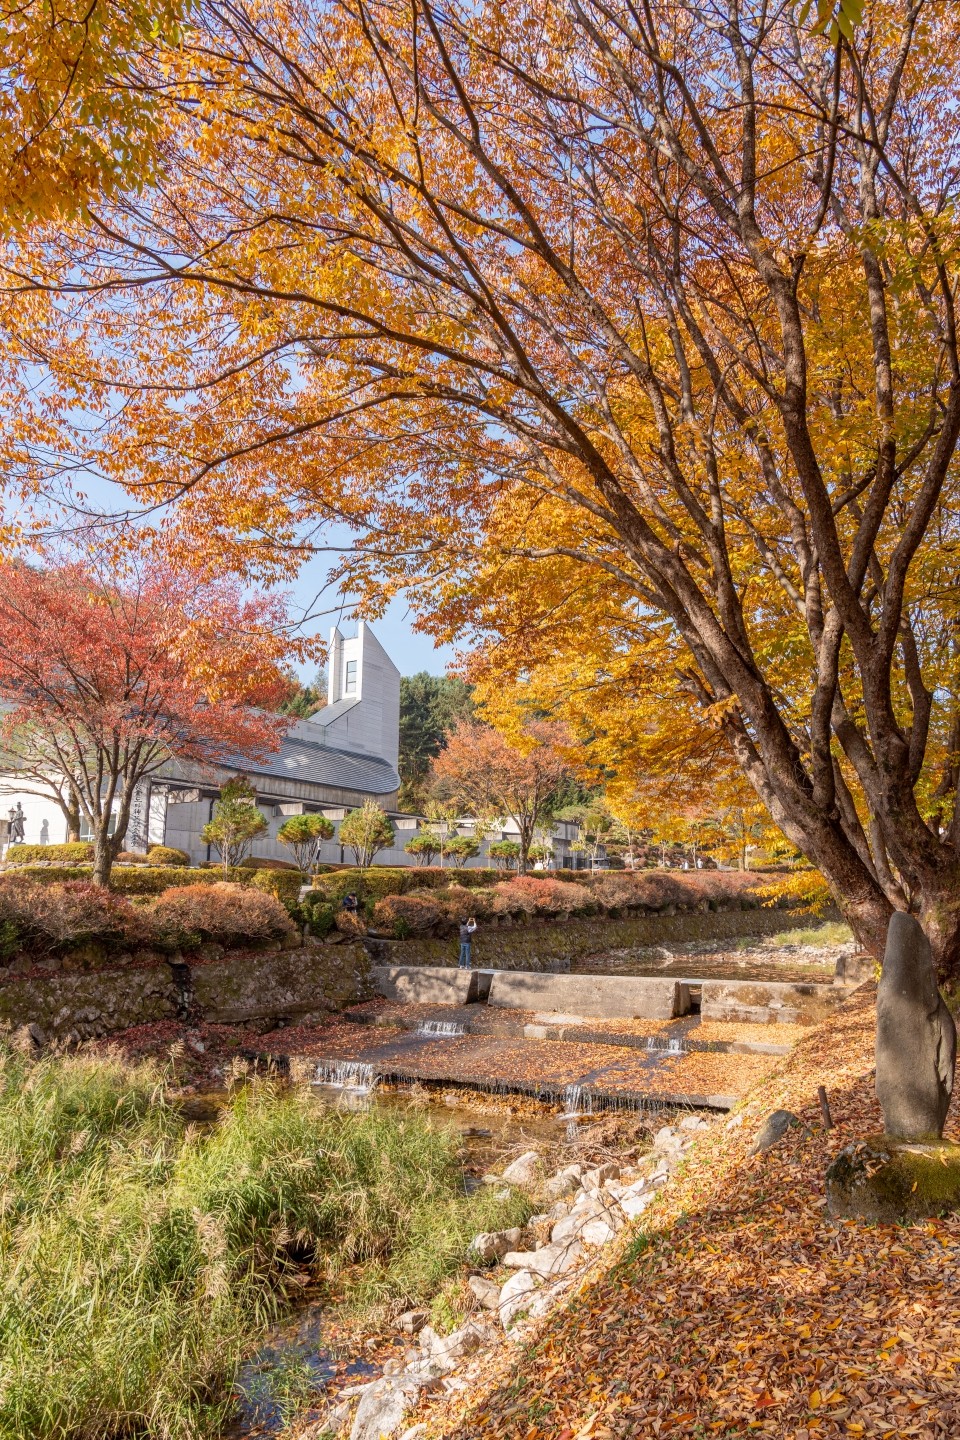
{"points": [[916, 1037], [546, 1262], [515, 1296]]}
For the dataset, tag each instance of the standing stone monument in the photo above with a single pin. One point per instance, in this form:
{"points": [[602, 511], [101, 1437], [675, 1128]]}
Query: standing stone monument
{"points": [[910, 1172], [916, 1037]]}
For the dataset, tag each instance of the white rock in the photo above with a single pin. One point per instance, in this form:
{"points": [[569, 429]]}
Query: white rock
{"points": [[383, 1407], [486, 1292], [666, 1138], [549, 1261], [594, 1179], [694, 1122], [597, 1232], [514, 1297], [446, 1351], [574, 1226], [565, 1182], [492, 1245], [734, 1122], [525, 1171], [634, 1205], [416, 1432]]}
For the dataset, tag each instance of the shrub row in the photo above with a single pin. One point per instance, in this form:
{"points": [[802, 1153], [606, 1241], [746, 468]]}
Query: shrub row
{"points": [[47, 920], [80, 852], [420, 910]]}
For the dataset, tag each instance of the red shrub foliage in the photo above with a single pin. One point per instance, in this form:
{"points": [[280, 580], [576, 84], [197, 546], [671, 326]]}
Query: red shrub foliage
{"points": [[656, 889], [414, 913], [52, 918], [228, 914], [538, 895]]}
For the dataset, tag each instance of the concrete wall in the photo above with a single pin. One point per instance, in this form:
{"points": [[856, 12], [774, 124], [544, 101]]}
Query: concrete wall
{"points": [[235, 986], [366, 719], [554, 945], [610, 997]]}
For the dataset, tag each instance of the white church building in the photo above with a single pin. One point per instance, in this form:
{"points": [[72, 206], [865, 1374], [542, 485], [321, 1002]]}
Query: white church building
{"points": [[328, 764]]}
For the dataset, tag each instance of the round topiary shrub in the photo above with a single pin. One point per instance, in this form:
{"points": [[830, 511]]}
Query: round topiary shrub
{"points": [[167, 855]]}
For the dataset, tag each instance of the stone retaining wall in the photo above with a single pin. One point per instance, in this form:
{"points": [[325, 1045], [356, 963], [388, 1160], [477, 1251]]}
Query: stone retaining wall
{"points": [[267, 985], [553, 945]]}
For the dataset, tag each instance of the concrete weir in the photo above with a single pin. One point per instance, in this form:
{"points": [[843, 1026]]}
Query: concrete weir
{"points": [[431, 984], [609, 997]]}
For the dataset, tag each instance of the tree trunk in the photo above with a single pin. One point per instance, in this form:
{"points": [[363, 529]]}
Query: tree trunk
{"points": [[72, 813], [104, 853]]}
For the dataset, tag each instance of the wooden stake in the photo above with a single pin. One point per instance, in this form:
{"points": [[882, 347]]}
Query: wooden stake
{"points": [[825, 1107]]}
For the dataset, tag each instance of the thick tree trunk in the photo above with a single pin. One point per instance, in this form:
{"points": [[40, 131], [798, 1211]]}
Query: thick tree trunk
{"points": [[103, 857]]}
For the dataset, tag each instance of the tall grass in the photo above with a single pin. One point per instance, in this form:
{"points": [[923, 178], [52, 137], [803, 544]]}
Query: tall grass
{"points": [[140, 1257]]}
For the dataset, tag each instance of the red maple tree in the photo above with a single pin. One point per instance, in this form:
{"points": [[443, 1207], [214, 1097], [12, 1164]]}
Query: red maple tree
{"points": [[107, 675]]}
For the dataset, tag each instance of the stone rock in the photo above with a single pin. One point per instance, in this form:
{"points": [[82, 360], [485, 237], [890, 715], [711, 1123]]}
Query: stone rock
{"points": [[890, 1181], [411, 1322], [549, 1261], [525, 1171], [491, 1245], [416, 1432], [565, 1182], [514, 1297], [666, 1138], [634, 1205], [694, 1122], [597, 1231], [446, 1351], [383, 1407], [776, 1125], [486, 1292], [916, 1037], [594, 1179]]}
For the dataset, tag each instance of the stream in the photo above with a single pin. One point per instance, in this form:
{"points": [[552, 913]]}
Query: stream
{"points": [[302, 1355]]}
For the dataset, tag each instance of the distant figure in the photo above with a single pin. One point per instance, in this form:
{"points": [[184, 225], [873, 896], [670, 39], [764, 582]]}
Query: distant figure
{"points": [[466, 937], [351, 903], [17, 819], [45, 833]]}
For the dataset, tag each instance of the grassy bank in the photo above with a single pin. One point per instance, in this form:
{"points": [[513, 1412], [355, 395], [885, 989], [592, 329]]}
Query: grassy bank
{"points": [[140, 1256]]}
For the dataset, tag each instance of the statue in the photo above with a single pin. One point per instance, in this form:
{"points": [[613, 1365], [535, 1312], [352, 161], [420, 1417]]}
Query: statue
{"points": [[17, 819], [916, 1037]]}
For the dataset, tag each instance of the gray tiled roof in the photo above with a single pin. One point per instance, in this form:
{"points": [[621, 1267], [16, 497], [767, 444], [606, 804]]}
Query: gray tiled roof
{"points": [[314, 764]]}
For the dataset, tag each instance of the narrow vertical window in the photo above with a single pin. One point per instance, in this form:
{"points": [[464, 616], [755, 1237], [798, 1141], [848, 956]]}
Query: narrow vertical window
{"points": [[350, 680]]}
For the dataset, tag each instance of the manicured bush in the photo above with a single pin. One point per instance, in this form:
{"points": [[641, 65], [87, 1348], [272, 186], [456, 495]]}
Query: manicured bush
{"points": [[50, 919], [408, 914], [167, 855], [536, 895], [152, 880], [73, 852], [438, 878], [462, 848], [459, 903], [423, 846], [265, 862], [131, 857], [228, 914], [505, 853], [372, 884], [284, 884], [317, 913], [304, 834]]}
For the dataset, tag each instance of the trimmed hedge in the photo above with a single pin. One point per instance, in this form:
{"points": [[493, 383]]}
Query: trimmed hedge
{"points": [[257, 862], [167, 855], [135, 880], [72, 852], [283, 885]]}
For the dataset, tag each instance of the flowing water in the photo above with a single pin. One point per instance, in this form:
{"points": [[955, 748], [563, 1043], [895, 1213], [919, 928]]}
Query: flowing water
{"points": [[441, 1027]]}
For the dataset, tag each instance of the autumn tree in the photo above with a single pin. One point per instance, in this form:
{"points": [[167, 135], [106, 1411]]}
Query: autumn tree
{"points": [[108, 676], [423, 847], [616, 330], [484, 773]]}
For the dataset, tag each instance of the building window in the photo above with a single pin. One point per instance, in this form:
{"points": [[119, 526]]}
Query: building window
{"points": [[350, 680]]}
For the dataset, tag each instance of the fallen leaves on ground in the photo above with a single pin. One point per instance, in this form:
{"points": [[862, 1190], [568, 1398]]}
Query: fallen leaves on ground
{"points": [[737, 1307]]}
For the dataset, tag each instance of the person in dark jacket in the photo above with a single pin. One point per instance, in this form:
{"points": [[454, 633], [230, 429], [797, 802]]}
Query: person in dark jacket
{"points": [[466, 937], [351, 903]]}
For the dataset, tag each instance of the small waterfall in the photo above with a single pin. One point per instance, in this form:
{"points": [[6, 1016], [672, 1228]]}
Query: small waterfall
{"points": [[441, 1027], [577, 1100], [345, 1074], [673, 1045]]}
